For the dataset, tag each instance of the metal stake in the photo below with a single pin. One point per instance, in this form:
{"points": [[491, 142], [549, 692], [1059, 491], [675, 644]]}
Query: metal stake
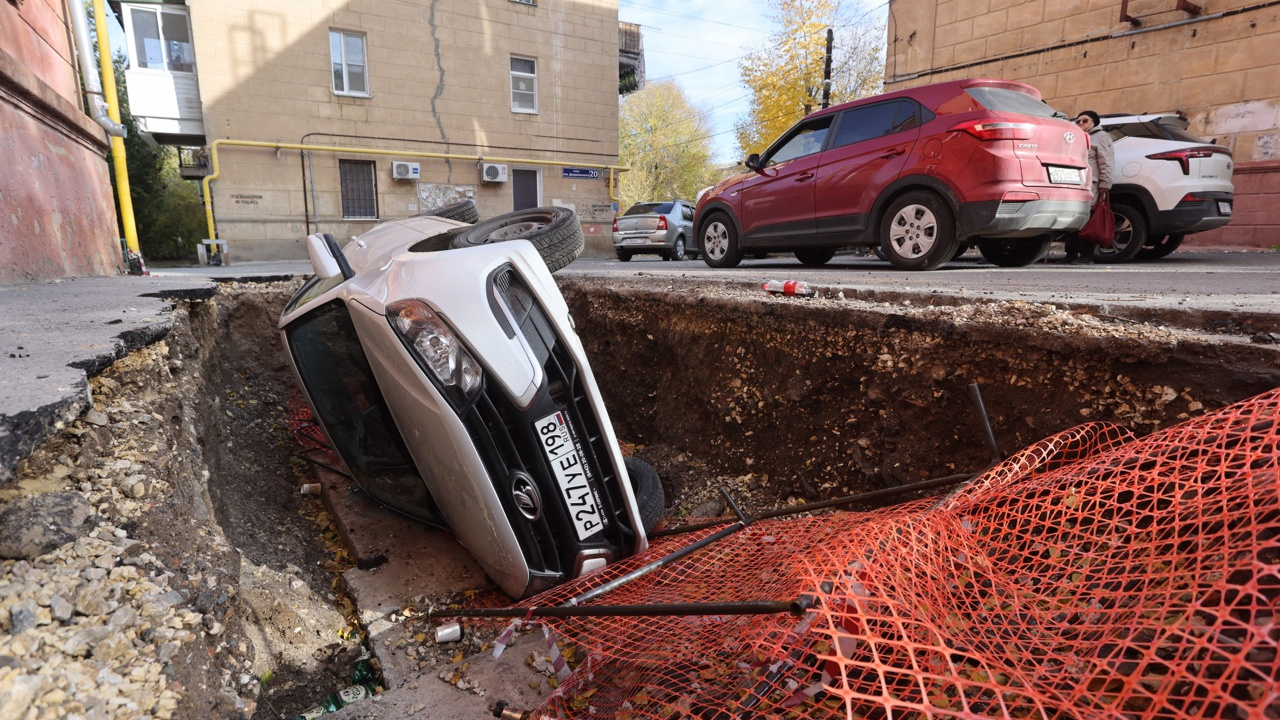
{"points": [[750, 607]]}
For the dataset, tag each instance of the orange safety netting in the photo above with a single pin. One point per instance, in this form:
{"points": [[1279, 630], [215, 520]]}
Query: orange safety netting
{"points": [[1093, 574]]}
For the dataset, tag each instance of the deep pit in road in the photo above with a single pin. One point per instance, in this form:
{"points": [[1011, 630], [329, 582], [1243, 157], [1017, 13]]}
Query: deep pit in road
{"points": [[780, 401]]}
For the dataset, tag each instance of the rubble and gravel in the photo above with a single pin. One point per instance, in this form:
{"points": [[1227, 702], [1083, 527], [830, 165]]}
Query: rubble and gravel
{"points": [[188, 578]]}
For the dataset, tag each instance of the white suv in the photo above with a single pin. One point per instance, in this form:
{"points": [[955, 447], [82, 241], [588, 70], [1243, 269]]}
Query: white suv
{"points": [[1166, 185]]}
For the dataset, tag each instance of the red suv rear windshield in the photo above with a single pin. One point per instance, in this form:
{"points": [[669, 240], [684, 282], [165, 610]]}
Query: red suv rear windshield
{"points": [[1005, 100]]}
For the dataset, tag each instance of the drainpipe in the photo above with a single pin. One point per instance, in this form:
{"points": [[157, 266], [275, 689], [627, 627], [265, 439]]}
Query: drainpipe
{"points": [[215, 170], [93, 84]]}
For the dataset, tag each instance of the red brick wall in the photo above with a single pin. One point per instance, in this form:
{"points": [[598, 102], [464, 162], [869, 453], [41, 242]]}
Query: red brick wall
{"points": [[1256, 221], [57, 215]]}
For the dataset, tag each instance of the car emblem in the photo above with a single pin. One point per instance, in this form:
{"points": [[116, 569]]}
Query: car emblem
{"points": [[1070, 137], [527, 498]]}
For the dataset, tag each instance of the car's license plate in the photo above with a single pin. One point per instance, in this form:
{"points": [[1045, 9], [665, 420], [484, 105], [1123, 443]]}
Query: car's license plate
{"points": [[1064, 175], [560, 445], [635, 241], [1224, 208]]}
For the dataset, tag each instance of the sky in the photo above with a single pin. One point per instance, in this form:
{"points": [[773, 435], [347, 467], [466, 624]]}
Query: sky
{"points": [[698, 43]]}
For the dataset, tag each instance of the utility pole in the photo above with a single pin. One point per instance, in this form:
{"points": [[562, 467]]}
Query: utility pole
{"points": [[826, 70]]}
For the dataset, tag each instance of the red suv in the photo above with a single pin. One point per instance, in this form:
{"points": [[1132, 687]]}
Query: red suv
{"points": [[922, 173]]}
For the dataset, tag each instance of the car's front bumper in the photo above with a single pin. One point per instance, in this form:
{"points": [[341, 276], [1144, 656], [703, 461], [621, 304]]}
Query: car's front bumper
{"points": [[1002, 219]]}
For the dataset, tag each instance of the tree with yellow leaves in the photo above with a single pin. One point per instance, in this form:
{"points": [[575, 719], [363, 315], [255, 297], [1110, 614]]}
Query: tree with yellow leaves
{"points": [[786, 76], [664, 139]]}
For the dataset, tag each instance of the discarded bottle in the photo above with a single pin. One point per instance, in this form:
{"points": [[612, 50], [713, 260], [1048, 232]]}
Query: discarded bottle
{"points": [[789, 287], [334, 702], [365, 676]]}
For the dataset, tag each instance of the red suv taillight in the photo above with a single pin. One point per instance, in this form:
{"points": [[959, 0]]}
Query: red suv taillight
{"points": [[992, 129], [615, 224], [662, 222], [1183, 156]]}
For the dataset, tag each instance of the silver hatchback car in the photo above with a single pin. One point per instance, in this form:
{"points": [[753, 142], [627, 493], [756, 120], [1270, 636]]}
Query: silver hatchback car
{"points": [[663, 229]]}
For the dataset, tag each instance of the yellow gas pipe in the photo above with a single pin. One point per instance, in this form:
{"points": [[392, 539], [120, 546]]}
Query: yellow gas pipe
{"points": [[113, 112]]}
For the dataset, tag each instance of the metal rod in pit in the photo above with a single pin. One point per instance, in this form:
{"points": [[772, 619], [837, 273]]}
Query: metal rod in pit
{"points": [[752, 607], [976, 393]]}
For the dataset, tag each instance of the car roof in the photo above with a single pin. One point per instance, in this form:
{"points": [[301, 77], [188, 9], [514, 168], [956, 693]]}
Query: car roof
{"points": [[914, 92]]}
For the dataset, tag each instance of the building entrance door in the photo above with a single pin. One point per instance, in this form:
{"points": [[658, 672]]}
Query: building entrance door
{"points": [[524, 189]]}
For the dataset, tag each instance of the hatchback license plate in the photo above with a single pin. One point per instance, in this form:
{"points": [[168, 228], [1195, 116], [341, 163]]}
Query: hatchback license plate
{"points": [[1064, 175], [1224, 208], [572, 474]]}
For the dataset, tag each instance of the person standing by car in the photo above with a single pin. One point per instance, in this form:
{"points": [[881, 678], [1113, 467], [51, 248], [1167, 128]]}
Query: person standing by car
{"points": [[1102, 159]]}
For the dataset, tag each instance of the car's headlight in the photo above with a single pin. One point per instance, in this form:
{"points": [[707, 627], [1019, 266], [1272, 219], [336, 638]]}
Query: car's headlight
{"points": [[439, 349]]}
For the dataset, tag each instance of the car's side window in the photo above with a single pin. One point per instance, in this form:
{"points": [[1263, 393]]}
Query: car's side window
{"points": [[686, 212], [804, 140], [873, 121]]}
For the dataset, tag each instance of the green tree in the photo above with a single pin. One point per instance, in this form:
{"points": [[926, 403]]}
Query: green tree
{"points": [[167, 210], [664, 139], [785, 76]]}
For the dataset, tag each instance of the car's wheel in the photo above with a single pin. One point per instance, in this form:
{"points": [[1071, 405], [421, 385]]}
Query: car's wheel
{"points": [[1160, 247], [961, 249], [918, 232], [665, 255], [624, 256], [677, 252], [554, 231], [1015, 252], [464, 211], [719, 244], [879, 252], [1131, 234], [815, 256], [648, 491]]}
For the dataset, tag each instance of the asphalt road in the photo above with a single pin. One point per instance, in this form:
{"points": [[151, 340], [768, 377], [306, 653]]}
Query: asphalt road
{"points": [[1221, 281]]}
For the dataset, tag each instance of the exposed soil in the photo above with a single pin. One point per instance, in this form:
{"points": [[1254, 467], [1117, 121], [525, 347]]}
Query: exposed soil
{"points": [[781, 400]]}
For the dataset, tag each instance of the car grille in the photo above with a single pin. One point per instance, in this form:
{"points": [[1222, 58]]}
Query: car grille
{"points": [[503, 434]]}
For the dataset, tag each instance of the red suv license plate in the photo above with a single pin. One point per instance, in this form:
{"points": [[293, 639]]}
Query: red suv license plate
{"points": [[559, 444], [1064, 175]]}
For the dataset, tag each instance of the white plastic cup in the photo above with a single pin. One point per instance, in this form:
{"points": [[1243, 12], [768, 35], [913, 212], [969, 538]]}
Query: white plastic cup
{"points": [[449, 632]]}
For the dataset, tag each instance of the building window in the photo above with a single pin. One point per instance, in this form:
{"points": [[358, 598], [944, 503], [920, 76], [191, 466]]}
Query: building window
{"points": [[359, 190], [161, 40], [524, 85], [350, 75], [525, 2]]}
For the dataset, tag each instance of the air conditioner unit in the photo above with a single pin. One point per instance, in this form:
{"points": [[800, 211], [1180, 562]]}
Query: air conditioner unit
{"points": [[493, 172], [405, 171]]}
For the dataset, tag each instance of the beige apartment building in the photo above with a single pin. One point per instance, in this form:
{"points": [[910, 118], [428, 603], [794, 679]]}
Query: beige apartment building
{"points": [[1215, 61], [320, 116]]}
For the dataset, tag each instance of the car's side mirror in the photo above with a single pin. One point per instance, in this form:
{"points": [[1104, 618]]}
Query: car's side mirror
{"points": [[326, 257], [753, 162]]}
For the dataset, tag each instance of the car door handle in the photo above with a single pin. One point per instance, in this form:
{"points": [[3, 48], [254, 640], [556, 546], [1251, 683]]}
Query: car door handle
{"points": [[893, 153], [804, 176]]}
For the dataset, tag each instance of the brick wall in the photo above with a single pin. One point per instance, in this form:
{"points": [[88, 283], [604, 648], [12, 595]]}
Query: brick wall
{"points": [[1221, 69]]}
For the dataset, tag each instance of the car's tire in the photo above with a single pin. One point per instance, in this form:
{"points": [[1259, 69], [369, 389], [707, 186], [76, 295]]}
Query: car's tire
{"points": [[918, 231], [554, 231], [961, 249], [718, 243], [815, 256], [464, 211], [678, 252], [1160, 247], [879, 252], [665, 255], [647, 488], [1018, 252], [1131, 234], [624, 256]]}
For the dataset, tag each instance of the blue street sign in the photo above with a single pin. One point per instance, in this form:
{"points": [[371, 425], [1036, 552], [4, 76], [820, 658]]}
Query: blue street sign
{"points": [[583, 173]]}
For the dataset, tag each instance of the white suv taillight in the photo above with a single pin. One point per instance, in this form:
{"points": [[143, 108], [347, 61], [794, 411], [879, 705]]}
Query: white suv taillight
{"points": [[1183, 156], [992, 129]]}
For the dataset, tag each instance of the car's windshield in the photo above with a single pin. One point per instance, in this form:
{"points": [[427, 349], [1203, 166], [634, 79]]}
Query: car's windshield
{"points": [[348, 403], [1006, 100], [645, 208], [312, 289]]}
